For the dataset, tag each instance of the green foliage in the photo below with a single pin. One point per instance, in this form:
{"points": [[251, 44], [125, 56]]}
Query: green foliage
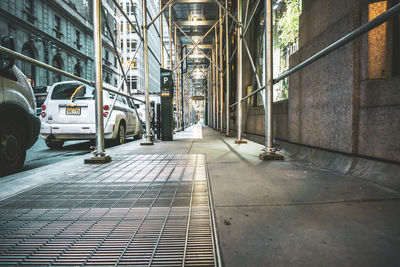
{"points": [[288, 23]]}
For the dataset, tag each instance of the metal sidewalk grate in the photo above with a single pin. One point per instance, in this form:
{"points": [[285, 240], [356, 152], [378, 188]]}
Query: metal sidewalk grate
{"points": [[142, 210]]}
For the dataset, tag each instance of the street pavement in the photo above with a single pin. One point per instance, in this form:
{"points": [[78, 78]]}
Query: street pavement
{"points": [[276, 213]]}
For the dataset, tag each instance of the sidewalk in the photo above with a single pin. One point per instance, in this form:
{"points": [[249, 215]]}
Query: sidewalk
{"points": [[267, 213]]}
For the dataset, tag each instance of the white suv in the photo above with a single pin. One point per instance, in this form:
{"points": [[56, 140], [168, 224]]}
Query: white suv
{"points": [[68, 113]]}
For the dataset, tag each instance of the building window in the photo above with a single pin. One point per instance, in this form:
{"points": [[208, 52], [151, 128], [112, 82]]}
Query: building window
{"points": [[396, 43], [133, 46], [30, 10], [133, 65], [27, 68], [132, 82], [383, 42], [57, 63], [57, 26], [77, 70], [78, 39], [107, 58], [132, 10], [115, 62], [107, 77]]}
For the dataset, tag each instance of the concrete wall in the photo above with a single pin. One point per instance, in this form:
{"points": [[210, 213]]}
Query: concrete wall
{"points": [[254, 124], [333, 103]]}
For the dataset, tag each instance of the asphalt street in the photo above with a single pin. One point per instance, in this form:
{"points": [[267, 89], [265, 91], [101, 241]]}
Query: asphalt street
{"points": [[40, 155]]}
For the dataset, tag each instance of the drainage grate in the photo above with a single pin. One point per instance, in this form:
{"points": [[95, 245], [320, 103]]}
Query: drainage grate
{"points": [[142, 210]]}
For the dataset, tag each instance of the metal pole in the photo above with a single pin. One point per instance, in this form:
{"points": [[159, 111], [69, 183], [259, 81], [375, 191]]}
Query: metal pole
{"points": [[209, 98], [213, 91], [239, 73], [170, 36], [161, 36], [269, 152], [182, 102], [99, 155], [268, 57], [221, 97], [228, 68], [176, 80], [216, 79], [146, 74]]}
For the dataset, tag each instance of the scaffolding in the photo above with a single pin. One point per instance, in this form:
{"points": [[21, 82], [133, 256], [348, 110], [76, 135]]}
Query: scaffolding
{"points": [[218, 71]]}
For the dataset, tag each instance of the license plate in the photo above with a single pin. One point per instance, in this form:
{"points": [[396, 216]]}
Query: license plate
{"points": [[73, 111]]}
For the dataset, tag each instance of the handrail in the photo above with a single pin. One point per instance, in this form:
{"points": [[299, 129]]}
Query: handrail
{"points": [[334, 46], [40, 64]]}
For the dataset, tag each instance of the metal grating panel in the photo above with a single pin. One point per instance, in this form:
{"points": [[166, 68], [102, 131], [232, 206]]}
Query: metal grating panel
{"points": [[142, 210]]}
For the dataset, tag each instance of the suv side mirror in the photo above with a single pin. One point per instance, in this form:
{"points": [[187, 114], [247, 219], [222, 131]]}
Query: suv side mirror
{"points": [[7, 62]]}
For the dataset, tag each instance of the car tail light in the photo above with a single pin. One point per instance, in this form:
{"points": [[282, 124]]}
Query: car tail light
{"points": [[43, 114], [43, 107], [106, 107], [105, 114]]}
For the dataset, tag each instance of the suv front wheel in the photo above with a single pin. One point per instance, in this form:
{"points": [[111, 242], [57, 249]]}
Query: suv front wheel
{"points": [[12, 151]]}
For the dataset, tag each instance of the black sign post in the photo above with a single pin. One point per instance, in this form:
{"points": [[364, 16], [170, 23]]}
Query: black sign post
{"points": [[167, 107]]}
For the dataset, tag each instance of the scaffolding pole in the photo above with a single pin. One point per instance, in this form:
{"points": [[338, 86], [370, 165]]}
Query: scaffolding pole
{"points": [[146, 74], [182, 125], [161, 36], [213, 92], [217, 100], [239, 73], [221, 97], [176, 80], [228, 67], [269, 152], [99, 154], [170, 36]]}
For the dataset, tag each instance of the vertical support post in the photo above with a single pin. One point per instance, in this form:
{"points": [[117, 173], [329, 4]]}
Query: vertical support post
{"points": [[208, 97], [269, 152], [176, 79], [213, 94], [170, 36], [210, 100], [99, 155], [146, 74], [228, 69], [182, 94], [216, 79], [221, 74], [239, 73], [161, 36]]}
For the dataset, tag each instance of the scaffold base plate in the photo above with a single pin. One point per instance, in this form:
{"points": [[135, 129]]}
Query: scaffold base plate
{"points": [[147, 144], [271, 156], [98, 160]]}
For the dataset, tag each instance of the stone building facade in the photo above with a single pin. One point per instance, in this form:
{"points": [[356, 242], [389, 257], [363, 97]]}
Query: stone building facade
{"points": [[59, 33]]}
